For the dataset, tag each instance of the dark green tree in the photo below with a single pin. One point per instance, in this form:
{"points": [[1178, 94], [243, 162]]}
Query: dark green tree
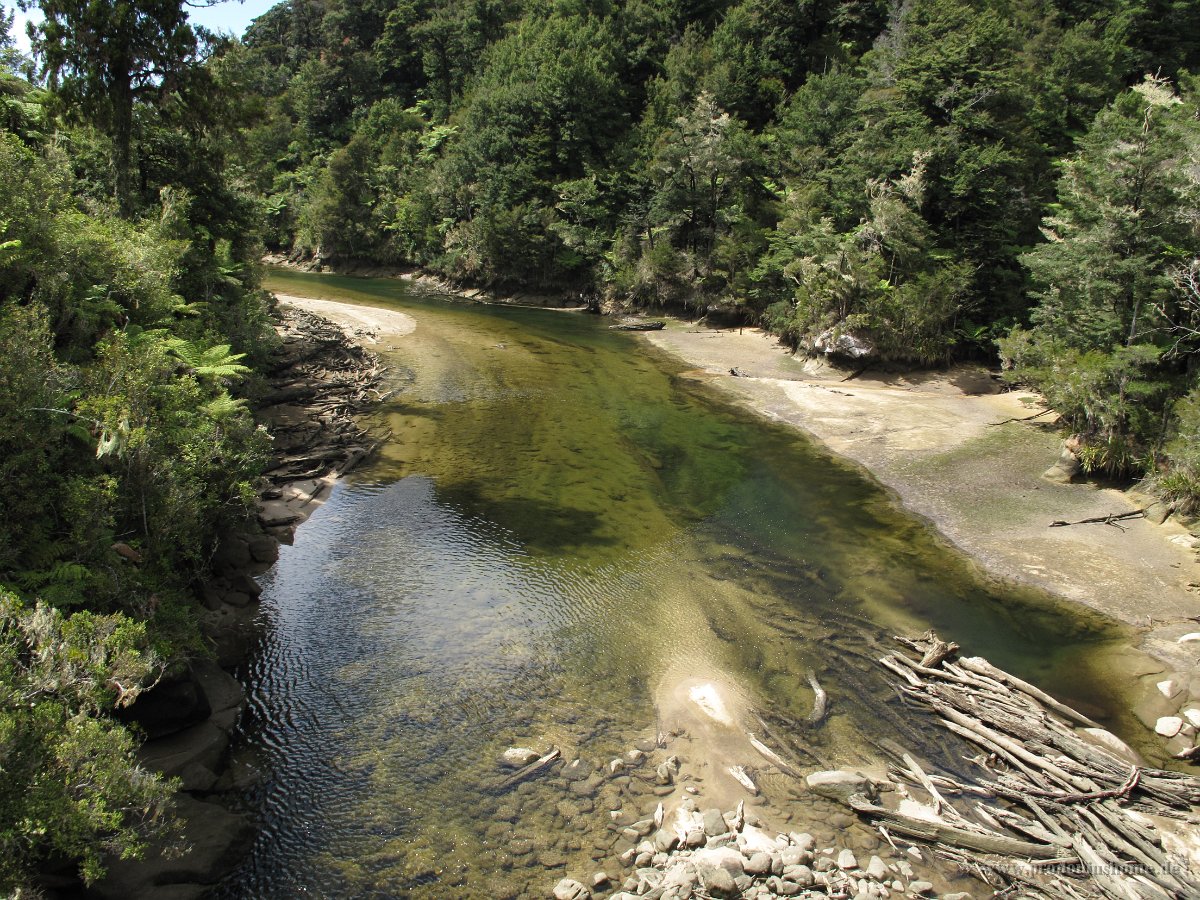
{"points": [[102, 56], [1106, 278]]}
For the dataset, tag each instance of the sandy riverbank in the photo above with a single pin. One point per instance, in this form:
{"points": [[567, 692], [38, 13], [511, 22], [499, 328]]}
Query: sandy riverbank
{"points": [[367, 324], [933, 439]]}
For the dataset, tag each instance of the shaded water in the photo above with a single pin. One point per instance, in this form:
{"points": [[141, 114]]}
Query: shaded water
{"points": [[560, 522]]}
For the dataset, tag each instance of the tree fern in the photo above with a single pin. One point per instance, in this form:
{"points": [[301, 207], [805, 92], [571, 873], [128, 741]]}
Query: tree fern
{"points": [[224, 406], [211, 362]]}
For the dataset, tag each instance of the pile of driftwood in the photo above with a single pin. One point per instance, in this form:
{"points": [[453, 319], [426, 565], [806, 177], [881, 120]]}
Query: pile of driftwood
{"points": [[1058, 807], [319, 381]]}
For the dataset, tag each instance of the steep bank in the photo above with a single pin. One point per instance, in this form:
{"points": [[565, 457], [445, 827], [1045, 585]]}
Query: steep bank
{"points": [[319, 380], [954, 448]]}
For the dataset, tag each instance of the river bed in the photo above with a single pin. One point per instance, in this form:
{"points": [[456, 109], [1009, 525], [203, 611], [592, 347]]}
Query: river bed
{"points": [[564, 530]]}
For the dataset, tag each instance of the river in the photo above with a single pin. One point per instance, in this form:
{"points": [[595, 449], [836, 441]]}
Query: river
{"points": [[564, 528]]}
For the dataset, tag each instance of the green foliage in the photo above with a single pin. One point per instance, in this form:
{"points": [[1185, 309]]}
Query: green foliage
{"points": [[1178, 479], [71, 782], [1112, 295], [124, 341]]}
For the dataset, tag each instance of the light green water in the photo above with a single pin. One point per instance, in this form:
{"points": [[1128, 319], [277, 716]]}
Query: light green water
{"points": [[560, 520]]}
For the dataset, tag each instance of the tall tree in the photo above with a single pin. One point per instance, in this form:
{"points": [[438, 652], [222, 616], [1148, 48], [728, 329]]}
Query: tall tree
{"points": [[1107, 279], [102, 56]]}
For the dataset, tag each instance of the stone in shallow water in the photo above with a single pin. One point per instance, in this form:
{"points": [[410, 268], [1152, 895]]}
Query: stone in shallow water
{"points": [[1168, 726], [838, 784], [920, 887], [846, 860], [576, 770], [516, 757], [570, 889], [877, 869]]}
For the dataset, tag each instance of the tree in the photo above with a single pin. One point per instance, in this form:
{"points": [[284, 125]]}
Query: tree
{"points": [[102, 56], [1107, 279]]}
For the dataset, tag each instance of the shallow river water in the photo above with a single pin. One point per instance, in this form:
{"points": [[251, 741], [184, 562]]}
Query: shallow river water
{"points": [[564, 525]]}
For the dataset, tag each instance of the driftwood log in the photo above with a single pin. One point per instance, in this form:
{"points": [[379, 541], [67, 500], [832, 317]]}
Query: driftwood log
{"points": [[1113, 519], [638, 326], [1054, 812]]}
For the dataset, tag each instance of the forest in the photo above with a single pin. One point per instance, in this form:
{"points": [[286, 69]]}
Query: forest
{"points": [[1013, 181], [928, 180]]}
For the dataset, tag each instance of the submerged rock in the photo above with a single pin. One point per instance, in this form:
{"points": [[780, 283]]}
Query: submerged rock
{"points": [[839, 784], [516, 757]]}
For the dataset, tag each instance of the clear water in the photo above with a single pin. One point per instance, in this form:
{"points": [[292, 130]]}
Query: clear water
{"points": [[561, 520]]}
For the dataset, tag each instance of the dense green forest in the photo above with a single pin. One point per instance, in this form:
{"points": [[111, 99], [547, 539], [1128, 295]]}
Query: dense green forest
{"points": [[129, 313], [925, 180]]}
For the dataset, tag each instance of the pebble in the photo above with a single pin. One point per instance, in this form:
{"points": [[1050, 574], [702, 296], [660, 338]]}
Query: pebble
{"points": [[700, 852], [714, 822], [1168, 726]]}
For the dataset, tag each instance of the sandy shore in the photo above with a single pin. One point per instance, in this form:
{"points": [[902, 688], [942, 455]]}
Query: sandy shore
{"points": [[933, 439], [366, 324]]}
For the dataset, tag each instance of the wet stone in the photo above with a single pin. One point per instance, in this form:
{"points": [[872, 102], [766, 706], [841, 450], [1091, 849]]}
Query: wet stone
{"points": [[801, 875], [569, 889], [714, 822], [576, 770], [516, 757], [758, 864], [920, 887]]}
